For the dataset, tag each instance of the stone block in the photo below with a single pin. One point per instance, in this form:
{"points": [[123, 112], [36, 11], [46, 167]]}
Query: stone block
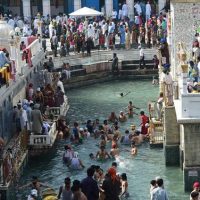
{"points": [[190, 175], [191, 144], [171, 127], [172, 155]]}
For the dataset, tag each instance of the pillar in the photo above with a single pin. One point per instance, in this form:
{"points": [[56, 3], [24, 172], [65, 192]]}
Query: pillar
{"points": [[171, 137], [109, 8], [191, 158], [46, 7], [77, 4], [161, 4], [27, 8], [130, 4]]}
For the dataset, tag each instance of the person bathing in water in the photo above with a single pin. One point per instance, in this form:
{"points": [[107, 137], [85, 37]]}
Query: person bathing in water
{"points": [[130, 109], [114, 151], [124, 94], [102, 154], [126, 139], [122, 117], [35, 184], [113, 117], [68, 154], [76, 163], [124, 186], [133, 149]]}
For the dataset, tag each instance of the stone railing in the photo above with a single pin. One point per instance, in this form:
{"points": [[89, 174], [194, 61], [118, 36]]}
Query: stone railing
{"points": [[44, 140]]}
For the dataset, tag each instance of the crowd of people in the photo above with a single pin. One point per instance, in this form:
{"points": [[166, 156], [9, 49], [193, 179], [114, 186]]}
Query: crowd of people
{"points": [[32, 113], [100, 184], [80, 35], [194, 67], [83, 34]]}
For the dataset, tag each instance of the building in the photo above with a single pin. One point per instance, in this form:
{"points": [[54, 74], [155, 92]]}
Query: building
{"points": [[29, 8]]}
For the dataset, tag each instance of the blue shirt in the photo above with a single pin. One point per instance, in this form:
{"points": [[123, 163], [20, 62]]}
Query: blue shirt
{"points": [[3, 59], [159, 194]]}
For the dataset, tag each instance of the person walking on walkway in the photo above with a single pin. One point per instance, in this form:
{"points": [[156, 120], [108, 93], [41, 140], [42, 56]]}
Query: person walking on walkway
{"points": [[142, 61], [54, 44]]}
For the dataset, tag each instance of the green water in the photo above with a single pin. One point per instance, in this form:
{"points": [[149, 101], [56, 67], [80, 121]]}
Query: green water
{"points": [[98, 101]]}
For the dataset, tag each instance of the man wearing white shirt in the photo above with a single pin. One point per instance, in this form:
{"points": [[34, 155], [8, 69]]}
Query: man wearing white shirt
{"points": [[60, 84], [90, 31], [125, 10], [142, 61], [148, 11], [104, 27], [120, 14], [114, 14], [11, 22], [138, 8]]}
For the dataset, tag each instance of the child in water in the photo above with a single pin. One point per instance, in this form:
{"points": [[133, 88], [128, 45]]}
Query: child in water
{"points": [[133, 149]]}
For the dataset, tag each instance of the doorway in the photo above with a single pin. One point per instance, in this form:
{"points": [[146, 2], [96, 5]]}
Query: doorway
{"points": [[102, 5]]}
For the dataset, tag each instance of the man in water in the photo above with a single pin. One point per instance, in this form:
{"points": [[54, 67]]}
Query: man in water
{"points": [[114, 151], [123, 95], [102, 154]]}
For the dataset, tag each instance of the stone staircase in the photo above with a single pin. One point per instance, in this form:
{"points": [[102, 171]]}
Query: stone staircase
{"points": [[77, 70], [131, 68]]}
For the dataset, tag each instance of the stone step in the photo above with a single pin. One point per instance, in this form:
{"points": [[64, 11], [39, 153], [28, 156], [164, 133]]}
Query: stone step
{"points": [[153, 72], [72, 68], [128, 62], [136, 66], [78, 72]]}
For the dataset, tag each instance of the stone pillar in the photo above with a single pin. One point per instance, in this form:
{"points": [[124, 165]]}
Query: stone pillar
{"points": [[130, 4], [171, 137], [46, 7], [161, 4], [160, 71], [77, 4], [184, 78], [109, 7], [27, 8], [191, 158]]}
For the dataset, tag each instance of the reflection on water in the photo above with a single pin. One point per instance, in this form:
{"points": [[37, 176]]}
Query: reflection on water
{"points": [[98, 101]]}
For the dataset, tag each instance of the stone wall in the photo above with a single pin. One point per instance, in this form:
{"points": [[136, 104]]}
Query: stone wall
{"points": [[99, 67], [171, 127], [185, 16], [191, 145]]}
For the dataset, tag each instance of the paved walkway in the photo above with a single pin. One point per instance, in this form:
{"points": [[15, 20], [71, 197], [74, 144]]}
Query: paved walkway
{"points": [[100, 55]]}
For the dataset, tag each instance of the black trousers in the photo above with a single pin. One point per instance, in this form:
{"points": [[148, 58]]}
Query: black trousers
{"points": [[142, 62]]}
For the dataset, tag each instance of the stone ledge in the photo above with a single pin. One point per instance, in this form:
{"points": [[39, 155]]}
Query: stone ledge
{"points": [[184, 120], [184, 1]]}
